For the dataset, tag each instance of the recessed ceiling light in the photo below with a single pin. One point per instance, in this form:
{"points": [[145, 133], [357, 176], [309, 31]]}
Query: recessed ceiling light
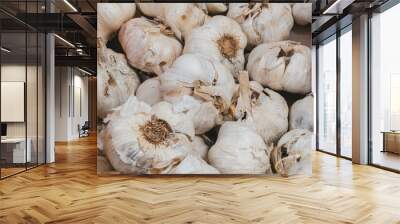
{"points": [[70, 5], [84, 71], [5, 50], [64, 40]]}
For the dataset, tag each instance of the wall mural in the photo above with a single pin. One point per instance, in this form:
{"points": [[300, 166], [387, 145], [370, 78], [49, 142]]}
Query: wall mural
{"points": [[204, 88]]}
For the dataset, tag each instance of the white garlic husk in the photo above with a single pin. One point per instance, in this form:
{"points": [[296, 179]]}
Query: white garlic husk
{"points": [[263, 23], [221, 39], [200, 148], [193, 164], [200, 86], [116, 80], [111, 16], [149, 91], [264, 109], [180, 122], [239, 150], [302, 13], [138, 142], [301, 114], [180, 17], [281, 66], [292, 155], [148, 45], [213, 8]]}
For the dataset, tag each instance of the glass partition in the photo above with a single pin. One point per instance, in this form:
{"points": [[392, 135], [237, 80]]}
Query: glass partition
{"points": [[22, 77], [327, 96], [385, 89], [346, 93]]}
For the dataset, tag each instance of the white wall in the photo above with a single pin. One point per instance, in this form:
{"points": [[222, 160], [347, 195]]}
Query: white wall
{"points": [[70, 81]]}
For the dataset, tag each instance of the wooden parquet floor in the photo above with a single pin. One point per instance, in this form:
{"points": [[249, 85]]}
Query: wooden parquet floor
{"points": [[69, 191]]}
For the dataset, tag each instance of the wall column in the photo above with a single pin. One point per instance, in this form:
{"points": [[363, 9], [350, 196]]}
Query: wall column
{"points": [[360, 90]]}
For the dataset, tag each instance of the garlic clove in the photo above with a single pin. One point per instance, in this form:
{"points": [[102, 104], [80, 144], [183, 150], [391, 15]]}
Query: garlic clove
{"points": [[302, 13], [263, 109], [247, 156], [116, 81], [204, 115], [180, 122], [180, 17], [111, 16], [292, 155], [149, 91], [301, 114], [200, 148], [192, 164], [148, 45]]}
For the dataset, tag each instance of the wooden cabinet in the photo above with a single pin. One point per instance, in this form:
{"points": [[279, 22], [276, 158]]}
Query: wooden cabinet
{"points": [[391, 142]]}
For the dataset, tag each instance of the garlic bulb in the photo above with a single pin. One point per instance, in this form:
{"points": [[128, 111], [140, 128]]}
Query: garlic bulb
{"points": [[200, 86], [263, 23], [284, 65], [111, 16], [200, 148], [181, 17], [263, 109], [212, 8], [302, 13], [194, 165], [149, 91], [221, 39], [292, 155], [301, 114], [116, 81], [148, 45], [239, 150], [139, 142]]}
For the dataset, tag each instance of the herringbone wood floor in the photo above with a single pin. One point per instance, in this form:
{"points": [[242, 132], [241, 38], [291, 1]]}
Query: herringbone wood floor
{"points": [[69, 191]]}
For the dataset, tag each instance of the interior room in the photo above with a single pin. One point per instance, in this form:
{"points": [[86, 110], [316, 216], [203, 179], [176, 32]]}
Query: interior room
{"points": [[199, 112]]}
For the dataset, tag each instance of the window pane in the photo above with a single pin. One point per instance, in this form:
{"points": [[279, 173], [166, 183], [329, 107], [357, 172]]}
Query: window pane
{"points": [[385, 84], [346, 94], [327, 96]]}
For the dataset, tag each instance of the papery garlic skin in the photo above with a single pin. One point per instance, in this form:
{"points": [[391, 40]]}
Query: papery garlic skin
{"points": [[263, 109], [200, 148], [147, 45], [111, 16], [302, 13], [116, 81], [263, 23], [199, 86], [180, 122], [302, 114], [193, 164], [149, 91], [204, 115], [221, 39], [180, 17], [138, 142], [213, 8], [238, 11], [270, 114], [281, 66], [239, 150], [292, 155]]}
